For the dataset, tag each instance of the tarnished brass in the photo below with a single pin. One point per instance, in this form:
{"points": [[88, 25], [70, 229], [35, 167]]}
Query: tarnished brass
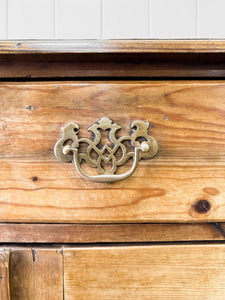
{"points": [[113, 154]]}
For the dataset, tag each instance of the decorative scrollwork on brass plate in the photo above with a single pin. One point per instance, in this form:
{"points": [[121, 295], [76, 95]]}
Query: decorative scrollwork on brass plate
{"points": [[109, 157]]}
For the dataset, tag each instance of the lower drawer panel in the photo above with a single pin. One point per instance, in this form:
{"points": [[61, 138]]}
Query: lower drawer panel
{"points": [[148, 272], [113, 272]]}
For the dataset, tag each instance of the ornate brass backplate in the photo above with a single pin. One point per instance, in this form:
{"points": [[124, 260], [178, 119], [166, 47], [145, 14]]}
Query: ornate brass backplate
{"points": [[112, 155]]}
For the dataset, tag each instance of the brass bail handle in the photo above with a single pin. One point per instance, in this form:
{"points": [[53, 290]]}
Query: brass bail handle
{"points": [[143, 145]]}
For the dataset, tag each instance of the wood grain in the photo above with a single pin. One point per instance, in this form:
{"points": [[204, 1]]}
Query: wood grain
{"points": [[186, 118], [112, 46], [36, 273], [110, 233], [4, 274], [112, 59], [148, 272], [112, 65]]}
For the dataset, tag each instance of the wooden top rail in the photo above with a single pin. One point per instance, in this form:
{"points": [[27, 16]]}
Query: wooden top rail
{"points": [[112, 46]]}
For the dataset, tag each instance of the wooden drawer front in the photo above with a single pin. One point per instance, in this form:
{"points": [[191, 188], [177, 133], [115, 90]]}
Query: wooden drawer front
{"points": [[187, 118], [122, 272], [155, 272], [148, 272]]}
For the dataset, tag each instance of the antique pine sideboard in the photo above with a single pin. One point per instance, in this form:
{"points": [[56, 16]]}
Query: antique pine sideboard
{"points": [[112, 170]]}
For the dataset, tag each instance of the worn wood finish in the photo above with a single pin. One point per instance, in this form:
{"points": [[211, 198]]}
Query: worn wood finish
{"points": [[36, 274], [184, 183], [108, 65], [187, 120], [148, 272], [112, 58], [4, 274], [110, 233], [112, 46]]}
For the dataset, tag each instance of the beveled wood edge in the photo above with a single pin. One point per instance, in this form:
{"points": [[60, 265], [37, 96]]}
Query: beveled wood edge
{"points": [[111, 46], [110, 233]]}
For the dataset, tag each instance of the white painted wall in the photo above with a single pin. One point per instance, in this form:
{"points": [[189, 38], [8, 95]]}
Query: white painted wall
{"points": [[112, 19]]}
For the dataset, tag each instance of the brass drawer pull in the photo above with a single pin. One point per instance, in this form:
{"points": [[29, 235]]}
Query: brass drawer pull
{"points": [[111, 155]]}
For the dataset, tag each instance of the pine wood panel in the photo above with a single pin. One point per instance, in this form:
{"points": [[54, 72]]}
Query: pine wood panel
{"points": [[112, 46], [110, 233], [187, 120], [36, 274], [4, 274], [148, 272]]}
